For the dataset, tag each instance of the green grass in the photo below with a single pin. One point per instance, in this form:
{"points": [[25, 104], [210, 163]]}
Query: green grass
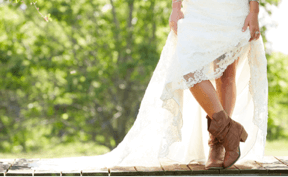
{"points": [[61, 150], [275, 148]]}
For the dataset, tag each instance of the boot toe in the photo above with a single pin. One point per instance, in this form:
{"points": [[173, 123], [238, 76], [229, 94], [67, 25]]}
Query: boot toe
{"points": [[214, 164], [216, 157], [231, 157]]}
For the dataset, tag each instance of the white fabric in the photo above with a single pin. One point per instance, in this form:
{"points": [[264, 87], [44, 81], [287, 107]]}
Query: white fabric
{"points": [[171, 125]]}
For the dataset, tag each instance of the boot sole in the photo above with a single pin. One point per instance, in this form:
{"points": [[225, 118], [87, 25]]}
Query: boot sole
{"points": [[214, 168]]}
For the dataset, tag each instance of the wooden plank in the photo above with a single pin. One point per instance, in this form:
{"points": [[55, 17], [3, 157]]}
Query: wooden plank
{"points": [[273, 165], [95, 172], [154, 171], [146, 169], [198, 168], [194, 162], [270, 166], [20, 167], [283, 159], [250, 167], [231, 170], [48, 172], [122, 171], [176, 169], [5, 164], [71, 173]]}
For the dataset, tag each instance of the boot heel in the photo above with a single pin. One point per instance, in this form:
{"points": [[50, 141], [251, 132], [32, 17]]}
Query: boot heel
{"points": [[243, 136]]}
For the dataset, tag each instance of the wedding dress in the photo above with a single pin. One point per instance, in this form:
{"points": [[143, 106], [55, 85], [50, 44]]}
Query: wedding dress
{"points": [[171, 126]]}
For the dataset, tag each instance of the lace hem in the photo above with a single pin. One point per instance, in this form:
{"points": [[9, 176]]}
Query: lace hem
{"points": [[258, 88], [220, 64]]}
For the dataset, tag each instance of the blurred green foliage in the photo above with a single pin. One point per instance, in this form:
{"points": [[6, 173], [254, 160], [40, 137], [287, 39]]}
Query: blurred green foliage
{"points": [[277, 72], [81, 76]]}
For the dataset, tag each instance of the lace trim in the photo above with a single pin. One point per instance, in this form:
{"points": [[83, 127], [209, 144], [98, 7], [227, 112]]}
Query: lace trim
{"points": [[221, 63], [258, 87], [171, 104]]}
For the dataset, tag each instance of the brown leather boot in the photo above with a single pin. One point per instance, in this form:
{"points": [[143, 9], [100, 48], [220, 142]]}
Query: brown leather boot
{"points": [[216, 152], [230, 133]]}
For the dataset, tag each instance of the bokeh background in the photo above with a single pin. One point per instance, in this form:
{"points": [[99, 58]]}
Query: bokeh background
{"points": [[73, 73]]}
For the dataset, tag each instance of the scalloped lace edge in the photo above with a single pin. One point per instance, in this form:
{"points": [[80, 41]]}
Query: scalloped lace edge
{"points": [[168, 98]]}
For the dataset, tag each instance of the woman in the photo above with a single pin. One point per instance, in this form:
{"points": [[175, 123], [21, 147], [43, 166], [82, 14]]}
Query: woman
{"points": [[204, 91], [206, 49]]}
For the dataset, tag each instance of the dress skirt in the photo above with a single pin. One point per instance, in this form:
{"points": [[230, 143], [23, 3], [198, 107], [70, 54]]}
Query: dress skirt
{"points": [[171, 126]]}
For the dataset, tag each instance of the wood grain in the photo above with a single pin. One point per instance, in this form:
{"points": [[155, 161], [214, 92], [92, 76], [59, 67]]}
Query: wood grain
{"points": [[122, 171], [20, 166], [231, 170], [95, 172], [200, 169], [176, 169], [273, 165], [71, 173], [5, 164], [46, 172], [270, 165], [250, 167], [155, 171], [283, 159]]}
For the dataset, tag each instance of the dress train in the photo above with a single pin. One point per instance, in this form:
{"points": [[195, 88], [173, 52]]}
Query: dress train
{"points": [[171, 126]]}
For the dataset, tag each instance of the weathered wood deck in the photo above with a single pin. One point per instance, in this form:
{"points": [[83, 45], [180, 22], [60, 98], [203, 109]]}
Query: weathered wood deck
{"points": [[274, 165]]}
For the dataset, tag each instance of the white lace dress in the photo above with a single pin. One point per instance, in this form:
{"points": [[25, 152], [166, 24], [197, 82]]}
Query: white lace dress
{"points": [[171, 125]]}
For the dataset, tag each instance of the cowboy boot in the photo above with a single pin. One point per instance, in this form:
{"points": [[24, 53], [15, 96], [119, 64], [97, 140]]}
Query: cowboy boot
{"points": [[216, 151], [230, 133]]}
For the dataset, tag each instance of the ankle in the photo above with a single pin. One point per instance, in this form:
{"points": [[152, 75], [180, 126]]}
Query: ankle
{"points": [[216, 113]]}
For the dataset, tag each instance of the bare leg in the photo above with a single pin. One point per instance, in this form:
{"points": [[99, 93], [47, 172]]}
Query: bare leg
{"points": [[206, 95], [226, 88]]}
